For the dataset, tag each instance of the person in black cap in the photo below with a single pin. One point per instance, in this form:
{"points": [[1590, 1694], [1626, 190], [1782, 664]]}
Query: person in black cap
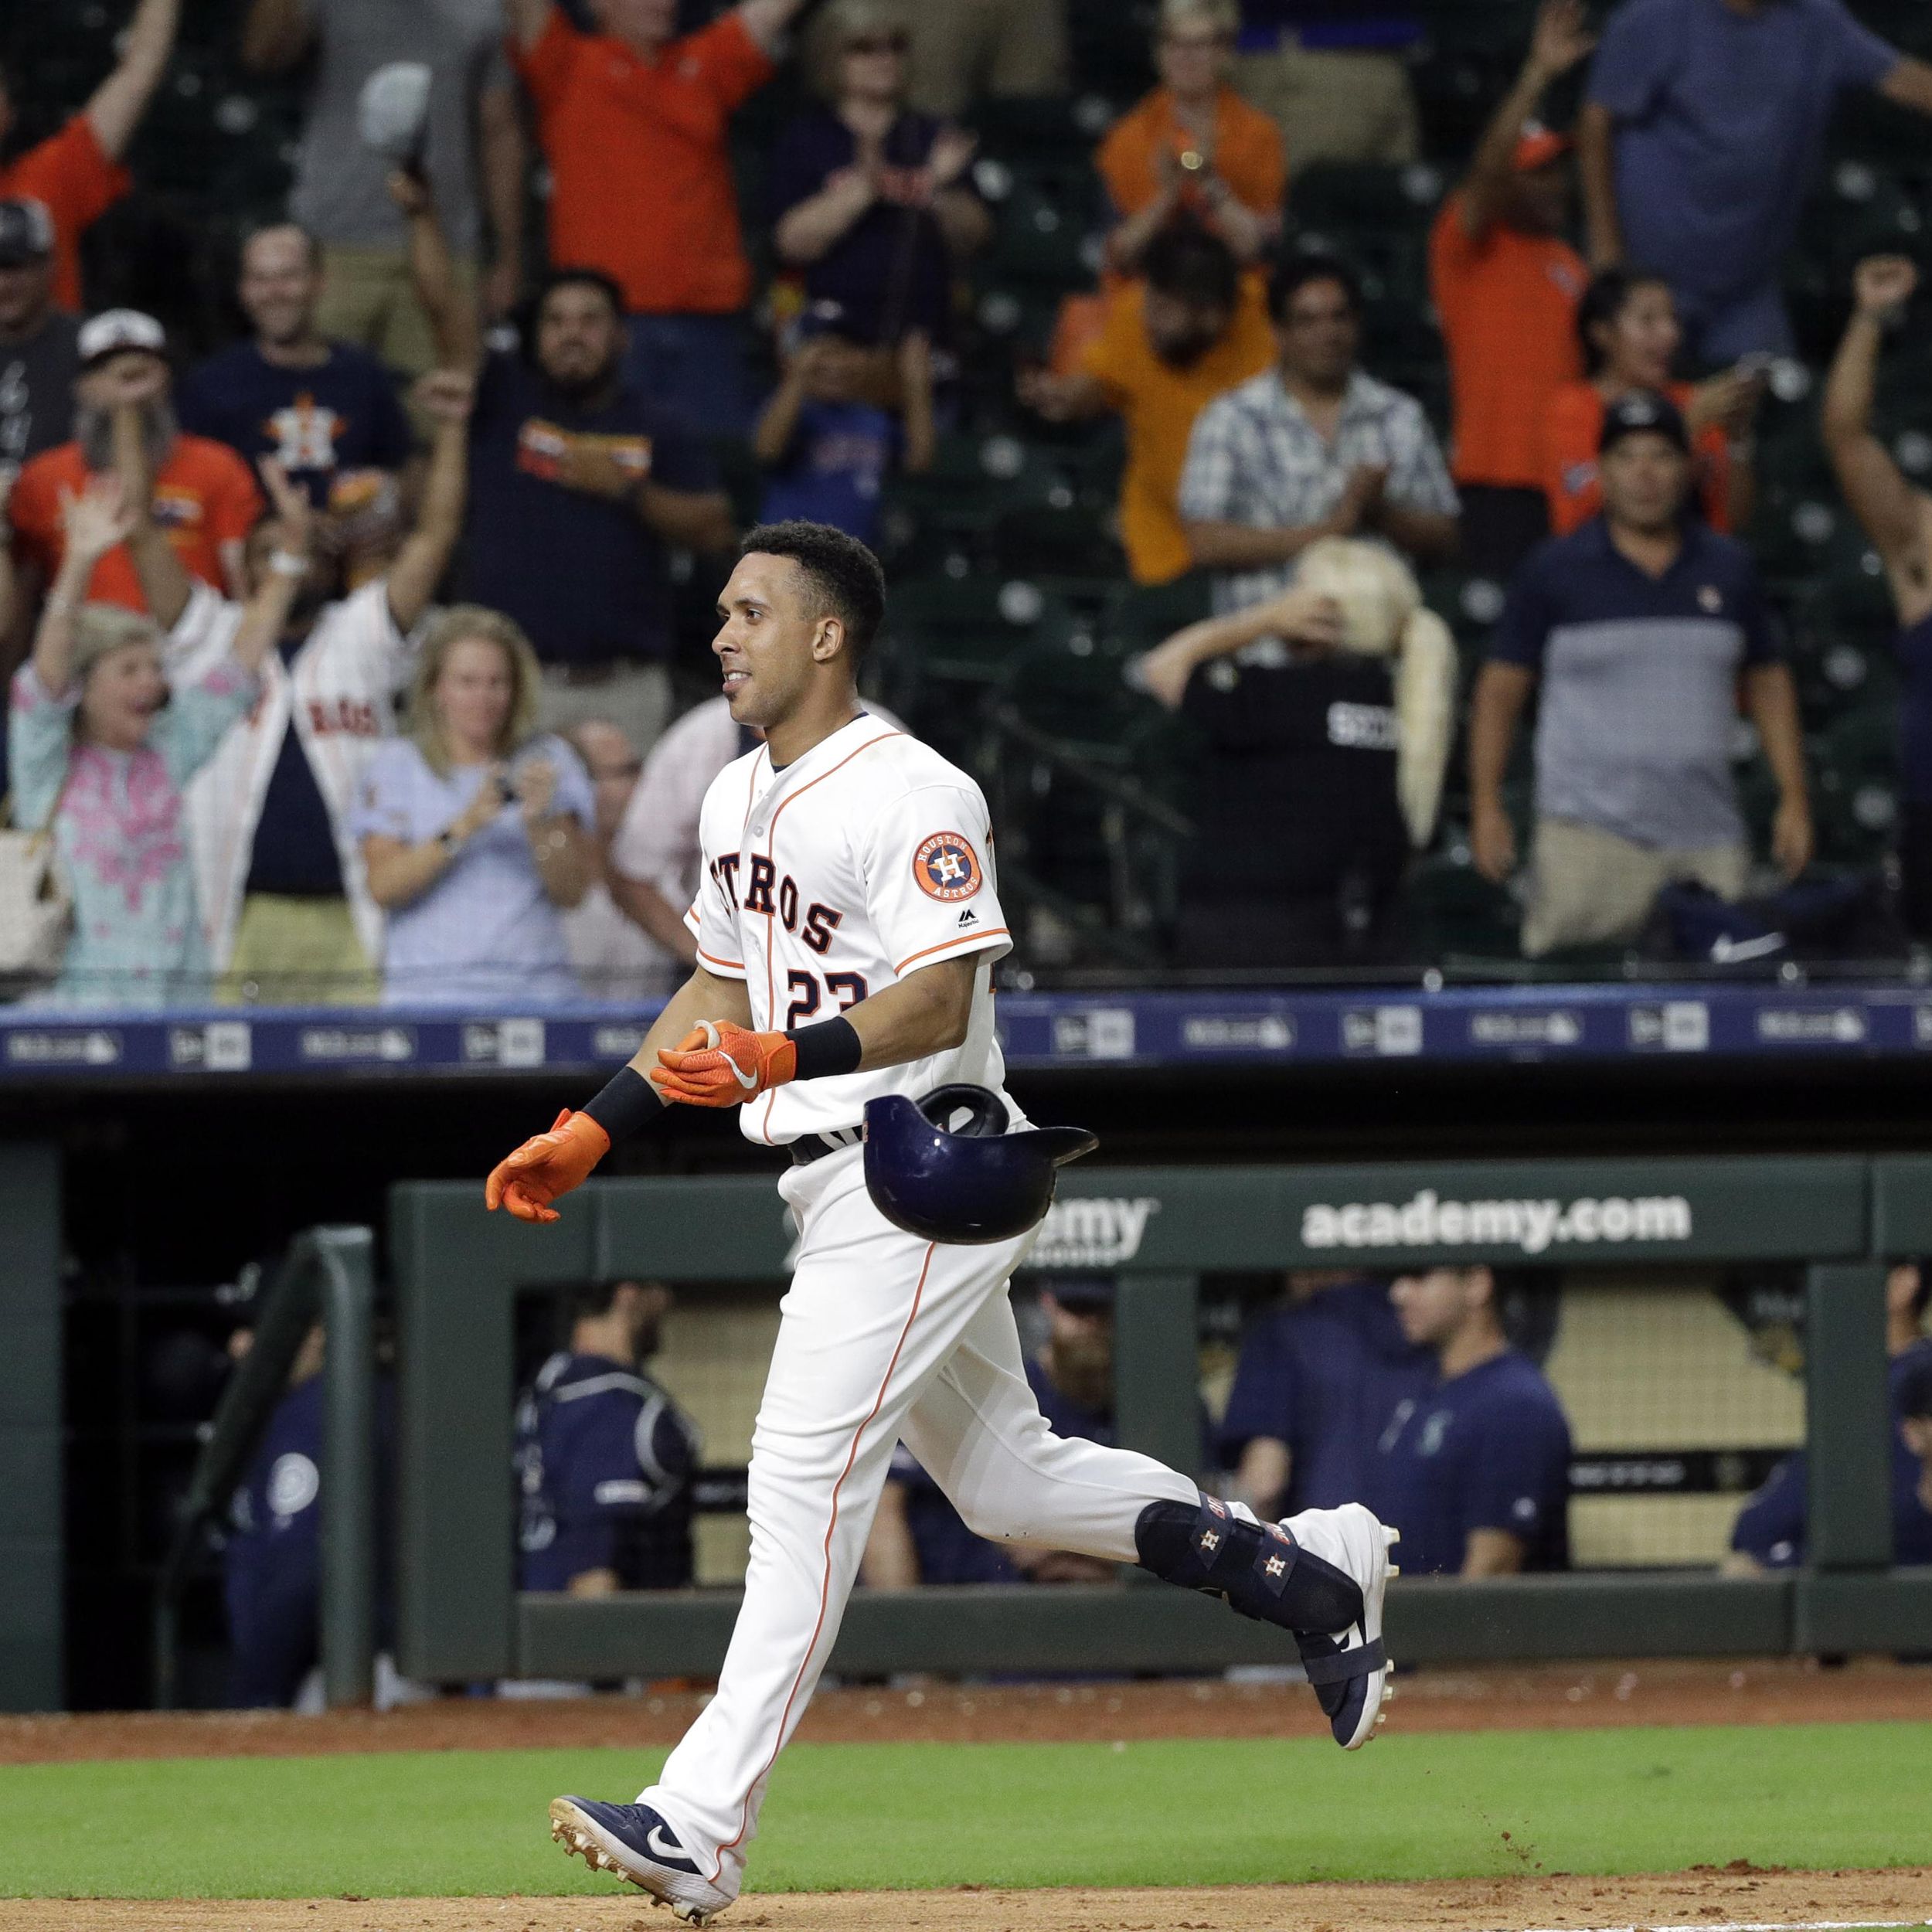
{"points": [[40, 356], [1639, 628]]}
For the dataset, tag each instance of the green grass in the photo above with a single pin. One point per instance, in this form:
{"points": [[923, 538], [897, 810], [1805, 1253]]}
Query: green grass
{"points": [[871, 1815]]}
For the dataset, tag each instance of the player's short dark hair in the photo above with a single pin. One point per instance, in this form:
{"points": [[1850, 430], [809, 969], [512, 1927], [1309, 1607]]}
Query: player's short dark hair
{"points": [[1603, 301], [1520, 1279], [1922, 1295], [1525, 1300], [577, 275], [587, 1300], [1186, 262], [1294, 273], [845, 577]]}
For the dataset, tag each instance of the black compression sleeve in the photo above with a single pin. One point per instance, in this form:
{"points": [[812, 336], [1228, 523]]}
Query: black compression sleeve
{"points": [[832, 1046], [629, 1103]]}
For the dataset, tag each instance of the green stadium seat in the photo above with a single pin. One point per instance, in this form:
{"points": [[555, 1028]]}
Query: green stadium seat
{"points": [[1069, 682], [1495, 29], [1468, 604], [970, 629], [953, 509], [1111, 49], [1344, 195], [1457, 911], [949, 642], [1068, 541], [1027, 128], [1047, 219], [1855, 784], [1144, 614]]}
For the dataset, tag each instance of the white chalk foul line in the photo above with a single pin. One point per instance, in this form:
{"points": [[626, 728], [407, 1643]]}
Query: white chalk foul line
{"points": [[1806, 1925]]}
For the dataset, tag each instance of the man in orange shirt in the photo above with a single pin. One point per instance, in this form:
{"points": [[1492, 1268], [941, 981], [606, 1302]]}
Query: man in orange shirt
{"points": [[633, 122], [76, 174], [1506, 285], [204, 495], [1193, 328]]}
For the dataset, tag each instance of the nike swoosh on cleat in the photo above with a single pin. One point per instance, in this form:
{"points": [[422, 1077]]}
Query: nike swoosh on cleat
{"points": [[669, 1849]]}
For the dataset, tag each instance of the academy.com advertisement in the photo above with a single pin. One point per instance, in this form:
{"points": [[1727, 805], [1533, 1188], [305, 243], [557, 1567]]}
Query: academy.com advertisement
{"points": [[1103, 1232], [1427, 1219]]}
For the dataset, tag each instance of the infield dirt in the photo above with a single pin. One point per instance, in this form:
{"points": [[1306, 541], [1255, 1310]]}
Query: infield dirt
{"points": [[1712, 1898]]}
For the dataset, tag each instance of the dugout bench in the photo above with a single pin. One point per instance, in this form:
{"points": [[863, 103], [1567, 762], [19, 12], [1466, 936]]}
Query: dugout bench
{"points": [[457, 1272]]}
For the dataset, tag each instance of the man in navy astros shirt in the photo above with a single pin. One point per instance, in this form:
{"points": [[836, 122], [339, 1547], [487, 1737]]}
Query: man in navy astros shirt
{"points": [[1474, 1473]]}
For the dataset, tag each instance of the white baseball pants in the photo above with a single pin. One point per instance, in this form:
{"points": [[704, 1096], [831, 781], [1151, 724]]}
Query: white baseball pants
{"points": [[882, 1335]]}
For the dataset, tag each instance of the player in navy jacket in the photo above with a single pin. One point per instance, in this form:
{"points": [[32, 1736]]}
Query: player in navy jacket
{"points": [[605, 1460], [271, 1559]]}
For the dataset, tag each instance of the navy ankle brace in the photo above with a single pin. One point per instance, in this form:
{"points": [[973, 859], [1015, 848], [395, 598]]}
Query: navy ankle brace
{"points": [[1257, 1569]]}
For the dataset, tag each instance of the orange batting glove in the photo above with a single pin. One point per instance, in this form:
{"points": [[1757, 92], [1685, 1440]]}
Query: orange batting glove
{"points": [[547, 1165], [720, 1064]]}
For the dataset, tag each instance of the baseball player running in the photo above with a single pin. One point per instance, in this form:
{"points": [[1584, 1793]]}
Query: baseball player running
{"points": [[847, 922]]}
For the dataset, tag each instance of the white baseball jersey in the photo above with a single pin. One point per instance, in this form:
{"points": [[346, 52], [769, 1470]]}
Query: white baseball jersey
{"points": [[854, 865]]}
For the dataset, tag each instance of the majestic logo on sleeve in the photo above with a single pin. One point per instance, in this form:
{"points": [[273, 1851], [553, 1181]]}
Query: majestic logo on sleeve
{"points": [[946, 868]]}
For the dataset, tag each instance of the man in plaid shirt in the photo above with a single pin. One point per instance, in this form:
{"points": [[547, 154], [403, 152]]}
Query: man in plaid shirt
{"points": [[1314, 448]]}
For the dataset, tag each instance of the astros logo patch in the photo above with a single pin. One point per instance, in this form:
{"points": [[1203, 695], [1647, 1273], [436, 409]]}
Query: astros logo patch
{"points": [[945, 867]]}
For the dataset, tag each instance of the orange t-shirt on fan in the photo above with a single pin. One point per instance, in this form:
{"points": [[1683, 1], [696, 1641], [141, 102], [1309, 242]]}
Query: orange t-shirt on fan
{"points": [[204, 496], [1507, 304], [640, 180], [1248, 154], [1159, 403], [73, 177], [1574, 423]]}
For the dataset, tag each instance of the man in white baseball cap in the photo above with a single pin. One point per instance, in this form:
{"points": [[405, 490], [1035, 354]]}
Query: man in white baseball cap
{"points": [[117, 331]]}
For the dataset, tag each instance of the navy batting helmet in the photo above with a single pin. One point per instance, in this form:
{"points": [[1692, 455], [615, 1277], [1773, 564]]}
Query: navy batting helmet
{"points": [[946, 1169]]}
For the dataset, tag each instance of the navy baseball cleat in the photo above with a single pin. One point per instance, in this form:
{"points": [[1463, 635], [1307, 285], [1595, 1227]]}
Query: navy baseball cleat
{"points": [[1348, 1668], [638, 1844]]}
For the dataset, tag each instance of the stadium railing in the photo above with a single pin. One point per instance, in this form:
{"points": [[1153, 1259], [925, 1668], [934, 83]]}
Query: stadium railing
{"points": [[328, 1275]]}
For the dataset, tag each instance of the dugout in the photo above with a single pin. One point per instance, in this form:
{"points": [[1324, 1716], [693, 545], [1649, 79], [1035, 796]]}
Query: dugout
{"points": [[458, 1273]]}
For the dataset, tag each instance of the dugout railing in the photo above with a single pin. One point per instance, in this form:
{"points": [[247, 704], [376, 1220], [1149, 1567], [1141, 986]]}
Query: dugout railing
{"points": [[327, 1276], [458, 1272]]}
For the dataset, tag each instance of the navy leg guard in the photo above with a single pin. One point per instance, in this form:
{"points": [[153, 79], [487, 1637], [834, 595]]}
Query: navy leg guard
{"points": [[1261, 1571], [1257, 1569]]}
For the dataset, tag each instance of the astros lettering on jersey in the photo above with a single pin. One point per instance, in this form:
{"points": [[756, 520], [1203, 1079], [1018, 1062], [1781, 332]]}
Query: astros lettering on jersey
{"points": [[853, 866]]}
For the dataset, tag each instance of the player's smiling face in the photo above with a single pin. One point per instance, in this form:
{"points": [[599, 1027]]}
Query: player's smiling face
{"points": [[771, 641]]}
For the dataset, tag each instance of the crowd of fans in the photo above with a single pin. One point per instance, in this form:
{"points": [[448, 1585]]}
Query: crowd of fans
{"points": [[349, 656]]}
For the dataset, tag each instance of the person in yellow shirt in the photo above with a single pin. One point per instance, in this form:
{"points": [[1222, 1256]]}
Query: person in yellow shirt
{"points": [[1191, 327]]}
